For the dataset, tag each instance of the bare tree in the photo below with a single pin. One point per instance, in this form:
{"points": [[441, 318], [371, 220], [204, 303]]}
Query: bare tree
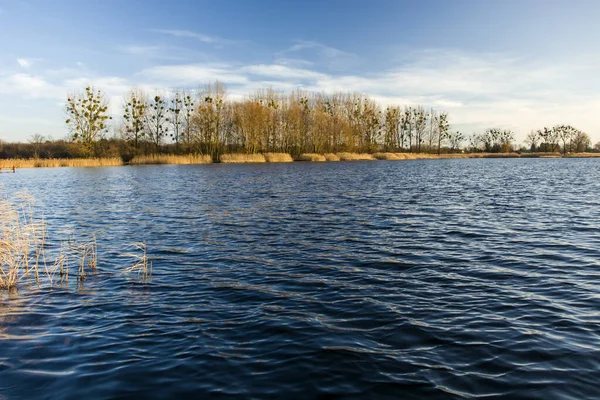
{"points": [[531, 140], [157, 120], [443, 127], [177, 116], [134, 116], [36, 141]]}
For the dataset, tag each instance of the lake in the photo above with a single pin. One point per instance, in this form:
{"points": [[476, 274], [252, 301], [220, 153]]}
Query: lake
{"points": [[437, 279]]}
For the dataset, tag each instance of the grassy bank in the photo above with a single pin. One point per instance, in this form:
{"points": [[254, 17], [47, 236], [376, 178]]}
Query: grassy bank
{"points": [[153, 159], [240, 158], [60, 162]]}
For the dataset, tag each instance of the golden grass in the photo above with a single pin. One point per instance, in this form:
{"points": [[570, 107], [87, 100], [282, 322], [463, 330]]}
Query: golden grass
{"points": [[311, 157], [171, 159], [583, 155], [60, 162], [7, 165], [23, 247], [238, 158], [278, 157], [355, 156], [389, 156]]}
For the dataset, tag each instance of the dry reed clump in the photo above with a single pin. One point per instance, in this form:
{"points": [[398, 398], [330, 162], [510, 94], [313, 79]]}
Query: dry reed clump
{"points": [[388, 156], [583, 155], [355, 156], [60, 162], [21, 241], [171, 159], [23, 247], [331, 157], [278, 157], [237, 158], [311, 157], [142, 265]]}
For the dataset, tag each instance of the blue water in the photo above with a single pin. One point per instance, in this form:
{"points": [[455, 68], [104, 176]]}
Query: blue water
{"points": [[431, 279]]}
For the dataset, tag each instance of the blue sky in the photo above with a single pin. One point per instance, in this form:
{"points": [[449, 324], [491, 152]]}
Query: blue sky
{"points": [[512, 64]]}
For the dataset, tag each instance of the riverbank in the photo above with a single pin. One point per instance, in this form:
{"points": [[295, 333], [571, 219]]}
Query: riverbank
{"points": [[156, 159]]}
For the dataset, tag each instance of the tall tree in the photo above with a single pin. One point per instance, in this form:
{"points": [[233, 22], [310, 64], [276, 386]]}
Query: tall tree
{"points": [[87, 116], [176, 116], [532, 140], [443, 127], [134, 114], [157, 120], [456, 138]]}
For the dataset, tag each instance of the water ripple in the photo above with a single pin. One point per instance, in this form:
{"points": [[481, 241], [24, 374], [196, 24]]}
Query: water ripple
{"points": [[417, 279]]}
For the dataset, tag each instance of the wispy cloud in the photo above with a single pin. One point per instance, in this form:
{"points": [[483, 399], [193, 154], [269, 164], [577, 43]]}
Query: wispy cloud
{"points": [[320, 54], [281, 72], [191, 75], [23, 63], [138, 50], [200, 37], [28, 86], [28, 62]]}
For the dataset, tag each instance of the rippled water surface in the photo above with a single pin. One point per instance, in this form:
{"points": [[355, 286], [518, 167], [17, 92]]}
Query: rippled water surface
{"points": [[412, 279]]}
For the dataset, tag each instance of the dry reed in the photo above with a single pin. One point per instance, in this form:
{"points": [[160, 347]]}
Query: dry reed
{"points": [[23, 247], [278, 157], [142, 265], [59, 162], [171, 159], [355, 156], [584, 155], [239, 158], [331, 157], [389, 156], [311, 157]]}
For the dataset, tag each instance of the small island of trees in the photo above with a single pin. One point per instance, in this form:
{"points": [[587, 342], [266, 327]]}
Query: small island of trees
{"points": [[205, 122]]}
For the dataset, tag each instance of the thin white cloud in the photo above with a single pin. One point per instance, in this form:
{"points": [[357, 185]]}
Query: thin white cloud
{"points": [[294, 62], [200, 37], [139, 50], [24, 62], [281, 72], [182, 33], [28, 86], [319, 53], [192, 75]]}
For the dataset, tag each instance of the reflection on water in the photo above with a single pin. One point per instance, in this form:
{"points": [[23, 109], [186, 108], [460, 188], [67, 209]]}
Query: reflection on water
{"points": [[415, 279]]}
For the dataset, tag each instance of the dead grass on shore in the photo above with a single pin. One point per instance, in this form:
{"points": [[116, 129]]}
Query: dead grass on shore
{"points": [[60, 162], [389, 156], [239, 158], [583, 155], [235, 158], [171, 159], [344, 156], [278, 157], [314, 157]]}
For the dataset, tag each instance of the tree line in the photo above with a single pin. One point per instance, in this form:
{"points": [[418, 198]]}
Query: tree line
{"points": [[206, 122]]}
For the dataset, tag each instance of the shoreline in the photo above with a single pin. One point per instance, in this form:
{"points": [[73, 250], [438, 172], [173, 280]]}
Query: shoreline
{"points": [[241, 158]]}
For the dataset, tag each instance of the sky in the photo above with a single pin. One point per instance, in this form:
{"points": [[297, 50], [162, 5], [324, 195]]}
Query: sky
{"points": [[517, 65]]}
